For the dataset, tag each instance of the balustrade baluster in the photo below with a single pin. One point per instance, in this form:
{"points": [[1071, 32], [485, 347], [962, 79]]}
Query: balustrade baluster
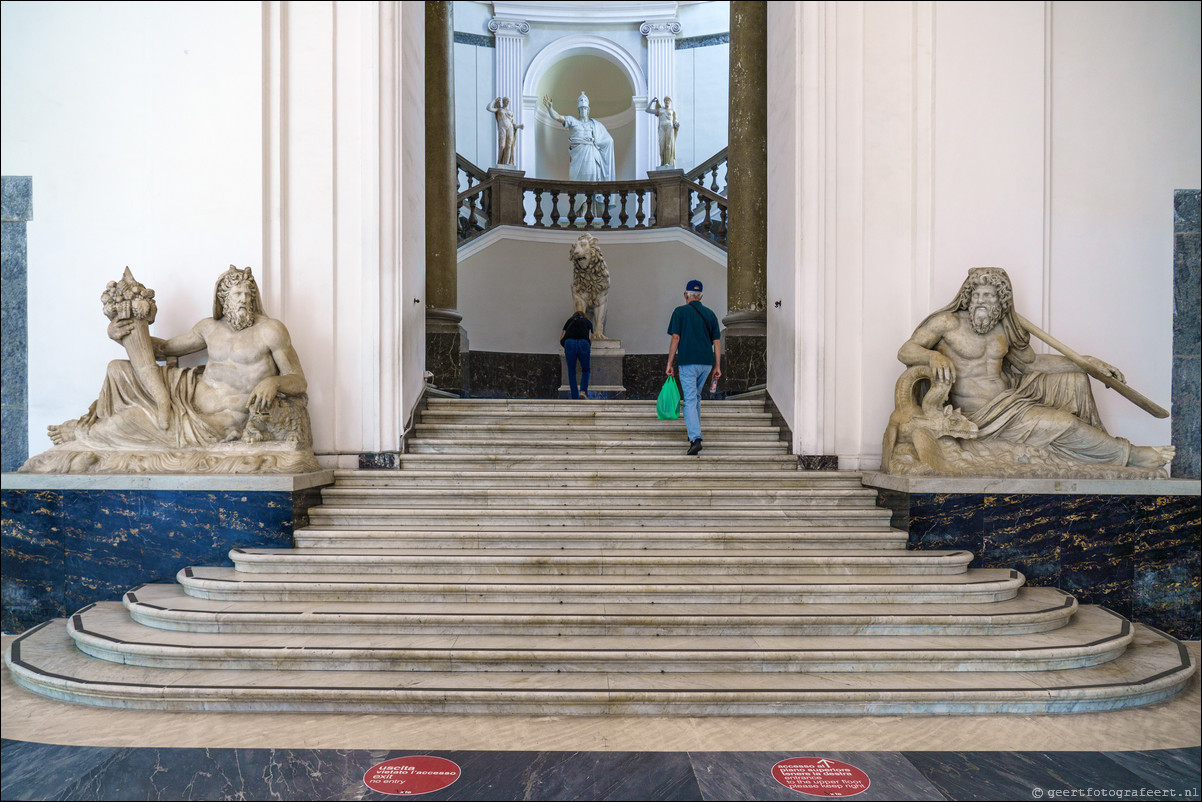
{"points": [[555, 207], [639, 216], [538, 207], [589, 202], [722, 231], [714, 179], [623, 215]]}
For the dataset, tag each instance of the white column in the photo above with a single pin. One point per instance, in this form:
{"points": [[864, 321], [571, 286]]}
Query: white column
{"points": [[511, 35], [661, 71]]}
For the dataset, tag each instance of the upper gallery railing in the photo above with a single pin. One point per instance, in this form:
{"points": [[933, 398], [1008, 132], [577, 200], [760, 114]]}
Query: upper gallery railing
{"points": [[711, 173], [510, 198]]}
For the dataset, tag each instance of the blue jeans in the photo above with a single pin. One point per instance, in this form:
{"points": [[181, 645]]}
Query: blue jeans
{"points": [[692, 382], [577, 351]]}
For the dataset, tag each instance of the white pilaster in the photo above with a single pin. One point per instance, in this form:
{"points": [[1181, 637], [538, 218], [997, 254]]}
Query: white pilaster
{"points": [[511, 36], [661, 75]]}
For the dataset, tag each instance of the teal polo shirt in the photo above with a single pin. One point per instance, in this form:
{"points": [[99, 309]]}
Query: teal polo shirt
{"points": [[697, 333]]}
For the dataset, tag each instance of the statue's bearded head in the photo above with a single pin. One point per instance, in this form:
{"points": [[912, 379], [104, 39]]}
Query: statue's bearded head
{"points": [[582, 106], [986, 295], [236, 298]]}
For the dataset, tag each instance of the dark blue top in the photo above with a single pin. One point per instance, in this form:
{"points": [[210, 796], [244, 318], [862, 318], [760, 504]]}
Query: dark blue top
{"points": [[698, 327]]}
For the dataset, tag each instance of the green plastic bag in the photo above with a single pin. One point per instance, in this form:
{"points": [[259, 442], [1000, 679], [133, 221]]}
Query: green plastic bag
{"points": [[667, 406]]}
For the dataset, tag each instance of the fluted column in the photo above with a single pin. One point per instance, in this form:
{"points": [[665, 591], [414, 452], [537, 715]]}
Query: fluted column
{"points": [[744, 362], [510, 37], [661, 70], [446, 341]]}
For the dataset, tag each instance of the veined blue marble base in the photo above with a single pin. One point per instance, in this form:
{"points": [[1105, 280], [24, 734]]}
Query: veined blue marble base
{"points": [[1135, 553], [70, 541]]}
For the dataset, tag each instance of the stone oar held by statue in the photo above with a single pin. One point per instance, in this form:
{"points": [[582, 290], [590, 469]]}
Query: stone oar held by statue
{"points": [[1122, 388]]}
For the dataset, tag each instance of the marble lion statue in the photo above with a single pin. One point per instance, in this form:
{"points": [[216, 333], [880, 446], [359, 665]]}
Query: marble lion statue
{"points": [[590, 282]]}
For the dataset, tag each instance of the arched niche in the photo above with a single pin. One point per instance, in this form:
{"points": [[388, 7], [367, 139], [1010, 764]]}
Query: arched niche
{"points": [[593, 61]]}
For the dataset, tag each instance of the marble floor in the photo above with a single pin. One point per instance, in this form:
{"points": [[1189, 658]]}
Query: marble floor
{"points": [[53, 750]]}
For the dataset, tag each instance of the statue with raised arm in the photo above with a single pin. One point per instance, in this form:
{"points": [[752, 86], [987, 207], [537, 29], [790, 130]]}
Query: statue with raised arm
{"points": [[244, 411], [507, 132], [590, 147], [668, 126], [976, 400]]}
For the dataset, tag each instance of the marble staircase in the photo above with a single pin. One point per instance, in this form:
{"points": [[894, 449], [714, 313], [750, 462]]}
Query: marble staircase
{"points": [[550, 558]]}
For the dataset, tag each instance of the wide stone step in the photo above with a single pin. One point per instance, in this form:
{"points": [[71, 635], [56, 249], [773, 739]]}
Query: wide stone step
{"points": [[1154, 668], [665, 431], [582, 415], [461, 498], [595, 562], [976, 586], [105, 631], [714, 517], [597, 405], [879, 536], [673, 460], [515, 446], [167, 607], [612, 480]]}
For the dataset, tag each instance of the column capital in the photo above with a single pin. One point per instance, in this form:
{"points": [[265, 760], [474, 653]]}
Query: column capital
{"points": [[661, 30], [502, 26]]}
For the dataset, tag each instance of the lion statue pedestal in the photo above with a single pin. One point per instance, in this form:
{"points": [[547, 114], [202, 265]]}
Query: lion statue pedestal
{"points": [[605, 381]]}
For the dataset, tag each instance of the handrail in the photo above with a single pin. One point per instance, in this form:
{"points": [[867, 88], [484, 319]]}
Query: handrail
{"points": [[475, 189], [706, 166], [469, 168]]}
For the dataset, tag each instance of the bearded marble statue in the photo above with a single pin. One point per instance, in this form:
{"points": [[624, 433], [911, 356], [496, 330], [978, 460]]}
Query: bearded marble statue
{"points": [[976, 400], [244, 411]]}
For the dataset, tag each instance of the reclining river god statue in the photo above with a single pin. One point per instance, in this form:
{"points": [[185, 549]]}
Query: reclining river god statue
{"points": [[244, 411], [976, 400]]}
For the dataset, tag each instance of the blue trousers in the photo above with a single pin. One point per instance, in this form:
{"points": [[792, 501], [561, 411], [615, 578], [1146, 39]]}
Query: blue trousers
{"points": [[577, 351], [692, 382]]}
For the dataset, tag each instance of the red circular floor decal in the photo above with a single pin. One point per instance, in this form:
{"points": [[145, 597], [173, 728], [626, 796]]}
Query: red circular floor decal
{"points": [[407, 776], [820, 776]]}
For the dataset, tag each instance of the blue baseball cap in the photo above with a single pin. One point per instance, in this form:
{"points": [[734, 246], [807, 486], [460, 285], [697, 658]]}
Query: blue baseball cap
{"points": [[693, 286]]}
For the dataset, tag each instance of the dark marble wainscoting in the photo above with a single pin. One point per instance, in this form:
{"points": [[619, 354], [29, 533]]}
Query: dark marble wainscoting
{"points": [[496, 374], [1135, 554], [744, 362], [1187, 335], [643, 375], [67, 548]]}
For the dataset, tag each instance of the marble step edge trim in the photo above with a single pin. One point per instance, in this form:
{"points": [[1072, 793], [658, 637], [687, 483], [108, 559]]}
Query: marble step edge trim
{"points": [[1161, 667], [651, 515], [551, 590], [181, 612], [516, 540], [546, 562], [644, 656]]}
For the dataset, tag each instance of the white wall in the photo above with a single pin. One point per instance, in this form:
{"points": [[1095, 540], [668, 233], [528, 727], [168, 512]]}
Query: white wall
{"points": [[141, 124], [702, 99], [177, 138], [475, 88], [516, 293], [1043, 138]]}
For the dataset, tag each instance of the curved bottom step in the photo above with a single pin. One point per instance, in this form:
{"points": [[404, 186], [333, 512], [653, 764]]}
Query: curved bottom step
{"points": [[1154, 668]]}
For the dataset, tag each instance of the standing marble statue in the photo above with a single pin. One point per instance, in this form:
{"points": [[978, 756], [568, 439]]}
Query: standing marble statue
{"points": [[590, 147], [507, 131], [590, 282], [1012, 412], [245, 411], [668, 126]]}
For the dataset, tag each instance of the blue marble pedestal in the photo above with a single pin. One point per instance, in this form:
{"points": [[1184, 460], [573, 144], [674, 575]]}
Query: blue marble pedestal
{"points": [[1127, 545], [69, 540]]}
